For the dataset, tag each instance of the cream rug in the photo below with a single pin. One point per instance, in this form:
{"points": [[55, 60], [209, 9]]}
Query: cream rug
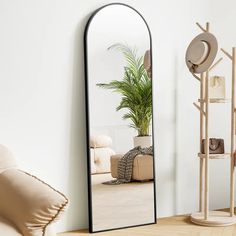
{"points": [[122, 205]]}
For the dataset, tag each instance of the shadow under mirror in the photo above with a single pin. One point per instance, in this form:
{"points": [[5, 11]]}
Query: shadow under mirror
{"points": [[119, 113]]}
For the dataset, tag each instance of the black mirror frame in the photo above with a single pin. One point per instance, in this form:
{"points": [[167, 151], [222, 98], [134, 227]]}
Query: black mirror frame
{"points": [[88, 128]]}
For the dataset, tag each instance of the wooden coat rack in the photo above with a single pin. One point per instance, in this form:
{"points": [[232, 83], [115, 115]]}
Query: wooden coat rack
{"points": [[204, 216]]}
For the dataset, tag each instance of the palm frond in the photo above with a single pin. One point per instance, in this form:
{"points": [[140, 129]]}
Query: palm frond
{"points": [[135, 90]]}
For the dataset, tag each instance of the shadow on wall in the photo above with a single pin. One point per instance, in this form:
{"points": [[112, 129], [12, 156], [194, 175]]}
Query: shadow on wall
{"points": [[78, 209]]}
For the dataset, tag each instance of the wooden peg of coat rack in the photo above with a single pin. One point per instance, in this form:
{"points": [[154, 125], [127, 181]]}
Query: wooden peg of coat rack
{"points": [[202, 28], [196, 77], [199, 108], [216, 63], [227, 54]]}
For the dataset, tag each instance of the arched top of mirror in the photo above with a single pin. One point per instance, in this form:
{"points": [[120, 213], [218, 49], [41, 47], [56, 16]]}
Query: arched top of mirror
{"points": [[109, 21], [110, 25]]}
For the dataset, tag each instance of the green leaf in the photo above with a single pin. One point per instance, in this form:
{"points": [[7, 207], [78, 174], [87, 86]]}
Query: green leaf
{"points": [[135, 89]]}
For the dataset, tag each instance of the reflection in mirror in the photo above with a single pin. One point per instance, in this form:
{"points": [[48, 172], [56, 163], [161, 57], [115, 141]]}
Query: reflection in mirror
{"points": [[119, 105]]}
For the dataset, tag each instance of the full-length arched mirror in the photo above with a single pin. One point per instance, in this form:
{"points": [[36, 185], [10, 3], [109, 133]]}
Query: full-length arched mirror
{"points": [[118, 66]]}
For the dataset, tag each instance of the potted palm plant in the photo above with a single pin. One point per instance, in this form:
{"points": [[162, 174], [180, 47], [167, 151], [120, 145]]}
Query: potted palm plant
{"points": [[136, 94]]}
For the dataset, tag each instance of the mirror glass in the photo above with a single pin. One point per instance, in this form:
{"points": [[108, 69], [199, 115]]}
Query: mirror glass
{"points": [[119, 112]]}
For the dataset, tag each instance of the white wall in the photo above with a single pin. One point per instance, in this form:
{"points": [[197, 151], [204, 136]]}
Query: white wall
{"points": [[42, 96]]}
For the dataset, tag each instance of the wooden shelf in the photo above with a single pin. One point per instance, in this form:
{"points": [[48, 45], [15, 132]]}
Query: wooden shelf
{"points": [[216, 100], [215, 156]]}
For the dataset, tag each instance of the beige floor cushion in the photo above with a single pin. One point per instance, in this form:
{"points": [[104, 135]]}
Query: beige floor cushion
{"points": [[29, 203], [142, 167]]}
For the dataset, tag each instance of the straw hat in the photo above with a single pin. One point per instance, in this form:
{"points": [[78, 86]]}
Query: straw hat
{"points": [[201, 52]]}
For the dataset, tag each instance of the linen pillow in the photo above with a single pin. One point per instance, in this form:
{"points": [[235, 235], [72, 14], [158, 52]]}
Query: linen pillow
{"points": [[28, 202]]}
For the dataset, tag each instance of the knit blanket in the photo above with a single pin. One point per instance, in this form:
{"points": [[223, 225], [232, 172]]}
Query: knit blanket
{"points": [[125, 165]]}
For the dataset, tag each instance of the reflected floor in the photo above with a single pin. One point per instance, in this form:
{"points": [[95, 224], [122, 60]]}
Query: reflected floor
{"points": [[122, 205]]}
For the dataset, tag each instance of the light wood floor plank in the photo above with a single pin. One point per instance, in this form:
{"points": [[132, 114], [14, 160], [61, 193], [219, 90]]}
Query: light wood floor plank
{"points": [[171, 226]]}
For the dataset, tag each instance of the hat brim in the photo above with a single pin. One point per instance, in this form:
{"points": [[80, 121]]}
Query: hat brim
{"points": [[211, 40]]}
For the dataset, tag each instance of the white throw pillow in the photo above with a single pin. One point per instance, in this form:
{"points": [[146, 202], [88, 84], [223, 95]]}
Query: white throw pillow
{"points": [[98, 141]]}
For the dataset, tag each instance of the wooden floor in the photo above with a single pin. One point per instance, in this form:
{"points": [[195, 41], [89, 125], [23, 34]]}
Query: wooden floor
{"points": [[171, 226]]}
